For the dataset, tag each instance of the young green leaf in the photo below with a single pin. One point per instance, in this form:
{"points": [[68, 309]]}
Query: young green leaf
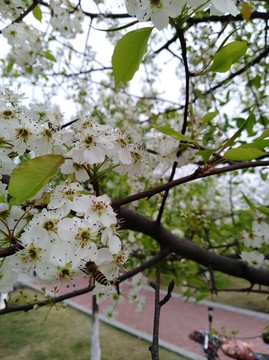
{"points": [[205, 154], [257, 144], [208, 117], [175, 134], [49, 56], [263, 210], [237, 133], [243, 154], [32, 176], [229, 54], [128, 54], [246, 10], [265, 134], [249, 202], [10, 65], [37, 13]]}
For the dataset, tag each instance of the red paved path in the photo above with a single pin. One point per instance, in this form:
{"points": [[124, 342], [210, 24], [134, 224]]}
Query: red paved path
{"points": [[179, 318]]}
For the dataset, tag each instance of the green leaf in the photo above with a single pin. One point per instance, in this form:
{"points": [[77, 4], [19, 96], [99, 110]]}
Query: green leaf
{"points": [[10, 65], [229, 54], [243, 154], [263, 210], [256, 81], [264, 175], [37, 13], [237, 133], [206, 154], [175, 134], [249, 202], [128, 54], [265, 134], [250, 124], [49, 56], [32, 176], [257, 144], [208, 117], [246, 10]]}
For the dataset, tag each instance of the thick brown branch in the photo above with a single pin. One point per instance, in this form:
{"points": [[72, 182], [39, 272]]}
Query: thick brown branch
{"points": [[190, 251]]}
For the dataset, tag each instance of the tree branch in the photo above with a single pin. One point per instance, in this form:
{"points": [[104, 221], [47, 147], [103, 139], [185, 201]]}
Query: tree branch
{"points": [[197, 174], [154, 348], [155, 260], [51, 300], [188, 250]]}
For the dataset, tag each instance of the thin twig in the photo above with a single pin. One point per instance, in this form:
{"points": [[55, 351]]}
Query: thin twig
{"points": [[51, 300], [154, 348], [197, 174]]}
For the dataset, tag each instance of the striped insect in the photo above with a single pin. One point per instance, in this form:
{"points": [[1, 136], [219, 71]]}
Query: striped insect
{"points": [[95, 274]]}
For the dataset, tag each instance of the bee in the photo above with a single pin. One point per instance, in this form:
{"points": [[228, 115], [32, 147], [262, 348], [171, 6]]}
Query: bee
{"points": [[95, 274]]}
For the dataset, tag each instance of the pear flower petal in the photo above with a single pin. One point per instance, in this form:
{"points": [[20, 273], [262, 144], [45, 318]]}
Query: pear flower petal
{"points": [[158, 11], [224, 6]]}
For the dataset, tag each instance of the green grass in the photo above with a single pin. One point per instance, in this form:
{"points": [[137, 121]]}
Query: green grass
{"points": [[246, 300], [65, 335]]}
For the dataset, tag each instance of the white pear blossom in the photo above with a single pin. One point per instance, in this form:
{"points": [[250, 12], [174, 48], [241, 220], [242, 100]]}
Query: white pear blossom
{"points": [[158, 11], [46, 223], [64, 195], [79, 232], [258, 236], [137, 166], [11, 9], [261, 229], [220, 7], [8, 277], [122, 149], [101, 211], [65, 20], [92, 147], [35, 248], [217, 7], [23, 135], [62, 265], [110, 239], [73, 226], [15, 33], [253, 258], [6, 164], [71, 167]]}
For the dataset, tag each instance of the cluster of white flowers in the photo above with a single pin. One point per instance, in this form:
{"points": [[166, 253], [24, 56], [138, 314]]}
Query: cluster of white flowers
{"points": [[27, 48], [257, 239], [29, 45], [11, 9], [73, 226], [159, 11], [67, 18]]}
